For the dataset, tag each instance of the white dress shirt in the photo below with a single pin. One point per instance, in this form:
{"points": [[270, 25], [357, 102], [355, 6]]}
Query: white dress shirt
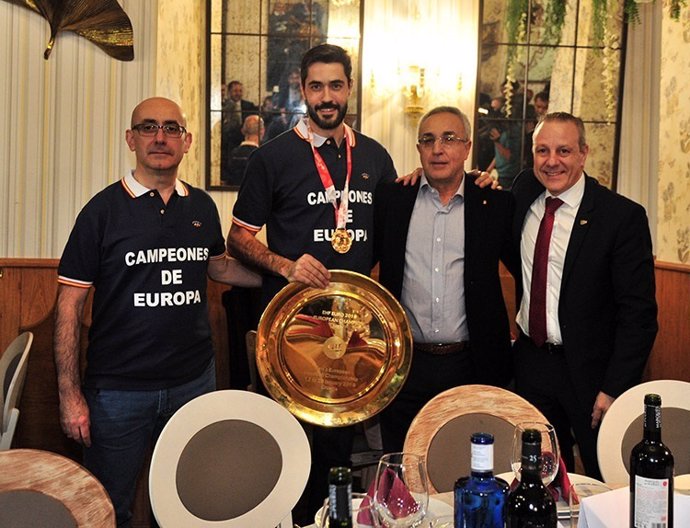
{"points": [[562, 227]]}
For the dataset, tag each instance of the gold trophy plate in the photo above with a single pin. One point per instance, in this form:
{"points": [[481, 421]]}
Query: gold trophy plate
{"points": [[334, 356]]}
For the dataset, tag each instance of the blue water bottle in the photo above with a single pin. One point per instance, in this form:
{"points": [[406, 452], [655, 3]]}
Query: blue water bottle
{"points": [[480, 499]]}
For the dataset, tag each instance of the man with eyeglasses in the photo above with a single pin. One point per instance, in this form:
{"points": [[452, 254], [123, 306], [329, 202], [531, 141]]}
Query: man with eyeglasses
{"points": [[146, 245], [438, 244]]}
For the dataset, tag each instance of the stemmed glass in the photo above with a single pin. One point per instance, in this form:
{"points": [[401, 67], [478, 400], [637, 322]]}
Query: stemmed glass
{"points": [[550, 454], [401, 493]]}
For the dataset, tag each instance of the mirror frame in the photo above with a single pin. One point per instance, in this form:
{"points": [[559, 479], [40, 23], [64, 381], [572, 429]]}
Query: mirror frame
{"points": [[265, 33], [524, 80]]}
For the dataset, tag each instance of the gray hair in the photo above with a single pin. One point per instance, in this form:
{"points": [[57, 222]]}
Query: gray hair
{"points": [[448, 110]]}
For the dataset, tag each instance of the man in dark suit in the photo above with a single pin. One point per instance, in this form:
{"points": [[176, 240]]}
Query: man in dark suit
{"points": [[586, 335], [235, 111], [438, 244]]}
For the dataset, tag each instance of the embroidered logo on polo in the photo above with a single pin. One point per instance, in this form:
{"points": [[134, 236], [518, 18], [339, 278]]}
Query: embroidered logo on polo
{"points": [[365, 176], [196, 223]]}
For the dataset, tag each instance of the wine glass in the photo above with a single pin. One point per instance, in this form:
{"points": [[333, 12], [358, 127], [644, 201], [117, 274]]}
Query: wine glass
{"points": [[550, 455], [363, 512], [401, 494]]}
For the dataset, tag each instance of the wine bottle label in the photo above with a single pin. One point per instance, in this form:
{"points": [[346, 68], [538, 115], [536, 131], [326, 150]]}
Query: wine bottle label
{"points": [[482, 457], [651, 502], [340, 498]]}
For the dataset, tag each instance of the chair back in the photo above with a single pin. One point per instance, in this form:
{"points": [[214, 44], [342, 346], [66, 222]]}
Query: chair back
{"points": [[40, 488], [13, 366], [441, 430], [622, 427], [228, 459]]}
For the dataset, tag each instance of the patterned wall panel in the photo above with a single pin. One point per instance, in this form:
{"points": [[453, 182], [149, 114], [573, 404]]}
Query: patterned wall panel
{"points": [[673, 228]]}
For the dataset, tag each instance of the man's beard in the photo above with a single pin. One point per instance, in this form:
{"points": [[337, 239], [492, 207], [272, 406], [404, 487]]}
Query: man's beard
{"points": [[330, 124]]}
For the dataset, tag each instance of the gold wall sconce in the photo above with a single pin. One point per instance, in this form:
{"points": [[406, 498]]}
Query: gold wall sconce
{"points": [[413, 90]]}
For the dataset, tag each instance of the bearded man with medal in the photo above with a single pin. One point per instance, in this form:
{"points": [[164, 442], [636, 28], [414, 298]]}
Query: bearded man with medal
{"points": [[313, 188]]}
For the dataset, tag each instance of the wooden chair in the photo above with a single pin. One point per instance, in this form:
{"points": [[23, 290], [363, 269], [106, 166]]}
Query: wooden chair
{"points": [[441, 430], [622, 427], [229, 459], [13, 365], [39, 488]]}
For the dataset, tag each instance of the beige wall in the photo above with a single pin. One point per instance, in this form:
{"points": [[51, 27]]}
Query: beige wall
{"points": [[63, 120], [673, 228]]}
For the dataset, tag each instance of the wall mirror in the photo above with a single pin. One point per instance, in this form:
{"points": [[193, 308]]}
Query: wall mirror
{"points": [[568, 55], [260, 44]]}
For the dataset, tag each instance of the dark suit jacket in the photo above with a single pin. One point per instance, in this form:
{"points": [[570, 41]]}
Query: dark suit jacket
{"points": [[232, 136], [488, 217], [607, 307]]}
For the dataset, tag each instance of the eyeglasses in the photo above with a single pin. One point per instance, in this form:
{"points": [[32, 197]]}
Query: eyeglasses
{"points": [[447, 140], [151, 129]]}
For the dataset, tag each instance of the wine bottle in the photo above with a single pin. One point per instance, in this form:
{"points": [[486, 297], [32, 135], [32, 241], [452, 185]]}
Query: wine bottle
{"points": [[340, 497], [651, 473], [480, 498], [530, 505]]}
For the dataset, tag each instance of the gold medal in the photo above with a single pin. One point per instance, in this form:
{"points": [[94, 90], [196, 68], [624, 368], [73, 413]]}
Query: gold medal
{"points": [[341, 240]]}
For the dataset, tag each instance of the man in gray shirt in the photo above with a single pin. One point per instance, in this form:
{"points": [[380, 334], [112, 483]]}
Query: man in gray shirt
{"points": [[438, 244]]}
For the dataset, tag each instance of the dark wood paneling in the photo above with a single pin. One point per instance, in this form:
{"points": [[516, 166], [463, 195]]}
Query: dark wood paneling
{"points": [[669, 359]]}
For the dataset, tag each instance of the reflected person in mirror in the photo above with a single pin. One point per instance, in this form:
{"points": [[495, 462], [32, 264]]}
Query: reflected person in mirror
{"points": [[146, 245], [235, 164], [235, 111], [295, 185]]}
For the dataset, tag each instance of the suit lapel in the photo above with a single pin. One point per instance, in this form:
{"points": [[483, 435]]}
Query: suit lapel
{"points": [[580, 228], [476, 215]]}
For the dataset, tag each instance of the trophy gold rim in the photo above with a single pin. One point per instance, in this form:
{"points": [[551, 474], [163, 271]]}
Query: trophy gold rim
{"points": [[277, 352]]}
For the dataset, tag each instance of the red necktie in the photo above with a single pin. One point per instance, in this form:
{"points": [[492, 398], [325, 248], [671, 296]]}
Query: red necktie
{"points": [[537, 299]]}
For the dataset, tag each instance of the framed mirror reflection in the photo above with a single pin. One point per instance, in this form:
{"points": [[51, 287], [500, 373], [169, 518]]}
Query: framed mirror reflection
{"points": [[539, 56], [254, 49]]}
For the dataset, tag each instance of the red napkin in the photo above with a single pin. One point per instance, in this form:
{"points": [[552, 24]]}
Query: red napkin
{"points": [[400, 501], [562, 481]]}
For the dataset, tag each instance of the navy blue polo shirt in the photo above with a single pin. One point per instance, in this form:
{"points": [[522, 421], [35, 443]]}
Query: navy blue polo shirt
{"points": [[147, 262], [282, 190]]}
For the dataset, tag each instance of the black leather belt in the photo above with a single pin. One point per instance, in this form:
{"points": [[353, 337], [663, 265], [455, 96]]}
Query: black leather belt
{"points": [[549, 348], [442, 349]]}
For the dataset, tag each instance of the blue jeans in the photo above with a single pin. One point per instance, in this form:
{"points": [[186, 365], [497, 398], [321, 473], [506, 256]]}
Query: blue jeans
{"points": [[124, 425]]}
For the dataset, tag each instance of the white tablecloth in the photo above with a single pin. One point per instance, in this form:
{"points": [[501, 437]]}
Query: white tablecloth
{"points": [[612, 510]]}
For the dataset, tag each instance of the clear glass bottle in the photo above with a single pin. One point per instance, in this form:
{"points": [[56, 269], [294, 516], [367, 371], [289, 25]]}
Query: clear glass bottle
{"points": [[340, 497], [651, 473], [531, 505], [480, 498]]}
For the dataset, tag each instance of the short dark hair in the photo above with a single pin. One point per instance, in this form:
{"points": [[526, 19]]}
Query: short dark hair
{"points": [[326, 53], [544, 96], [565, 117], [233, 83]]}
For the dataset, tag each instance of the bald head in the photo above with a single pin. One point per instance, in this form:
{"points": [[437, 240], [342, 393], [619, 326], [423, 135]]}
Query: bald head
{"points": [[157, 105], [253, 125]]}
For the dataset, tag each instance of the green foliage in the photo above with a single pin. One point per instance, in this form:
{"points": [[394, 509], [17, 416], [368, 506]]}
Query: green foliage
{"points": [[674, 8], [632, 11], [599, 14], [553, 21]]}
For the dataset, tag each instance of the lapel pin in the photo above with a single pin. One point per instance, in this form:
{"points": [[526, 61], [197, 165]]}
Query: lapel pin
{"points": [[484, 202], [196, 223], [583, 222]]}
